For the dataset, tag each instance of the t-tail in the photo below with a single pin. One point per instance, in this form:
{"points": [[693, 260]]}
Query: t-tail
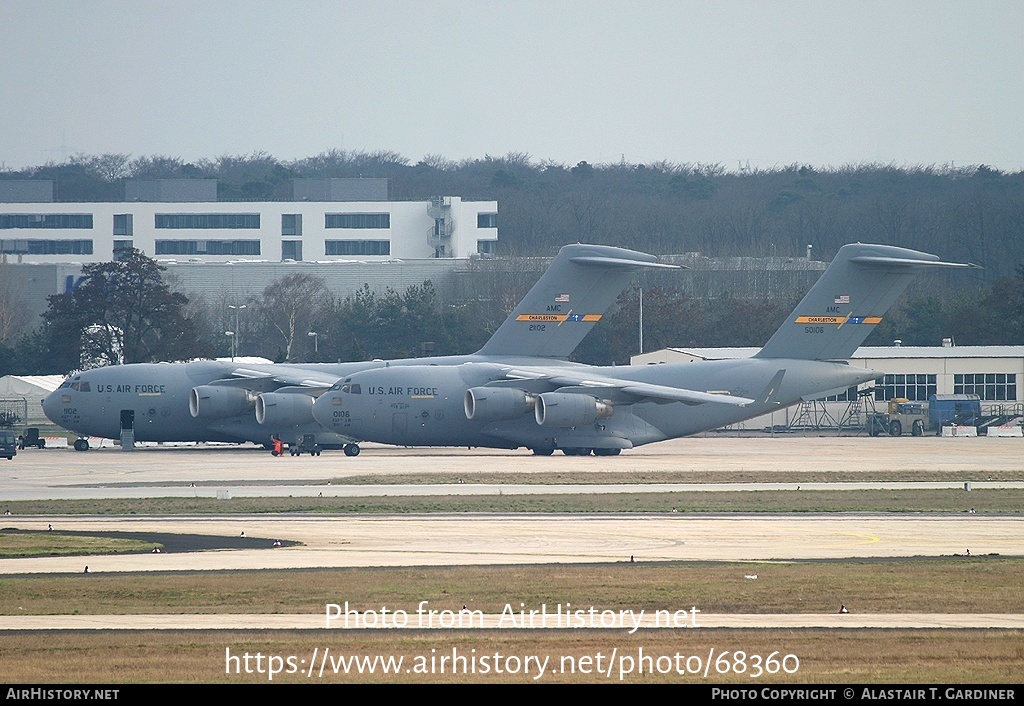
{"points": [[572, 296], [848, 301]]}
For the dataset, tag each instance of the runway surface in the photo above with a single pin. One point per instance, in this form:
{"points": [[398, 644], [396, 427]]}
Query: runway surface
{"points": [[279, 621], [974, 458], [438, 540], [372, 540]]}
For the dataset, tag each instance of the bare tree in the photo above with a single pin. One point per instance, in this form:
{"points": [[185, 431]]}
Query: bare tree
{"points": [[288, 307]]}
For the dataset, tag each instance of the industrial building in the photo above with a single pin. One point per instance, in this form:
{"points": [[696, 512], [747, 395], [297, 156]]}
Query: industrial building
{"points": [[994, 373]]}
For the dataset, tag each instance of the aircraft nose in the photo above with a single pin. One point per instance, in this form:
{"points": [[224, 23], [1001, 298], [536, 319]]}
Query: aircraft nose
{"points": [[322, 410], [51, 405]]}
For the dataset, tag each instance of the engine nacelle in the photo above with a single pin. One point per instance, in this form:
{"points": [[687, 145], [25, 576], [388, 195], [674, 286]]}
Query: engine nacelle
{"points": [[566, 409], [274, 409], [491, 404], [218, 402]]}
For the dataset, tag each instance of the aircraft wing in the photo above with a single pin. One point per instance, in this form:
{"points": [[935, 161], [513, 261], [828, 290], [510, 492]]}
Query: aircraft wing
{"points": [[277, 377], [622, 391]]}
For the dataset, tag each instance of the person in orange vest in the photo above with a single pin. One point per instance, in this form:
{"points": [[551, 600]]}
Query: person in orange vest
{"points": [[278, 446]]}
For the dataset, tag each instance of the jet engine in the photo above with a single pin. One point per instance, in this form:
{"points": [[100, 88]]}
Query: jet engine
{"points": [[565, 409], [491, 404], [217, 402], [274, 409]]}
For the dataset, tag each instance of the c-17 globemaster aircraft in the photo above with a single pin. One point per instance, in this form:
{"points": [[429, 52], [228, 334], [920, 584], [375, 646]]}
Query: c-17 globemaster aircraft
{"points": [[508, 403], [211, 400]]}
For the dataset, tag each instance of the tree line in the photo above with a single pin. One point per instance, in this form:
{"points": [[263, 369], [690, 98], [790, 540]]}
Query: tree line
{"points": [[124, 312], [969, 213]]}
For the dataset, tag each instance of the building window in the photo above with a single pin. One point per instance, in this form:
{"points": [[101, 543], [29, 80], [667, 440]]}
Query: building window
{"points": [[291, 224], [486, 247], [487, 220], [121, 248], [357, 247], [987, 386], [45, 220], [915, 387], [207, 247], [357, 220], [183, 221], [46, 247], [122, 224], [291, 250]]}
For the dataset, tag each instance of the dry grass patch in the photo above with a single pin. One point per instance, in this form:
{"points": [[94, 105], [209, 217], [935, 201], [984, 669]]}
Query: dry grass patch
{"points": [[985, 501], [968, 585], [896, 656]]}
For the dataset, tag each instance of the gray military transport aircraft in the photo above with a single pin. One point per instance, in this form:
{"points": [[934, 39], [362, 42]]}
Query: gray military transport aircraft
{"points": [[245, 402], [498, 401]]}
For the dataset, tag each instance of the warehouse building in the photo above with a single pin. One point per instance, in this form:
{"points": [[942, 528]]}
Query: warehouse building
{"points": [[994, 373]]}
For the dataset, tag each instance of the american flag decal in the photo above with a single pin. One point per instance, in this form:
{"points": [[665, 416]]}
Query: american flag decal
{"points": [[562, 298], [843, 299]]}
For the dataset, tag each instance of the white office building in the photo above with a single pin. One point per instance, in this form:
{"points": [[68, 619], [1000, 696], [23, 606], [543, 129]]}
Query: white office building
{"points": [[181, 220]]}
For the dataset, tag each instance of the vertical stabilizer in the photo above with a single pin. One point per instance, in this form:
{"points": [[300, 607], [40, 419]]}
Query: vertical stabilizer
{"points": [[568, 299], [848, 301]]}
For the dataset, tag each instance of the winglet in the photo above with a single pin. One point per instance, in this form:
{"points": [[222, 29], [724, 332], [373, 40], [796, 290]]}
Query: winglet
{"points": [[770, 394]]}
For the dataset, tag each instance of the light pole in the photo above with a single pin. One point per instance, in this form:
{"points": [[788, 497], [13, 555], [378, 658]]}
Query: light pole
{"points": [[234, 334], [316, 343]]}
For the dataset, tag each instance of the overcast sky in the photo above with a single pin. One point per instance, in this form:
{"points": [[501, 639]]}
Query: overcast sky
{"points": [[770, 83]]}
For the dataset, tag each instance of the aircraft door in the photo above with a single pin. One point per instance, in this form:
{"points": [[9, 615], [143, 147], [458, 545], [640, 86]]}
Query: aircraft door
{"points": [[399, 423], [127, 429]]}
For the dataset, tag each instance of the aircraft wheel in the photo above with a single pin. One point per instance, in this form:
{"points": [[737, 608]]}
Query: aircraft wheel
{"points": [[918, 428], [895, 428], [81, 445], [351, 449], [543, 451]]}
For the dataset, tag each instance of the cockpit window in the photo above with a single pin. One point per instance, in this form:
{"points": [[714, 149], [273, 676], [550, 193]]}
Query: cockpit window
{"points": [[352, 388]]}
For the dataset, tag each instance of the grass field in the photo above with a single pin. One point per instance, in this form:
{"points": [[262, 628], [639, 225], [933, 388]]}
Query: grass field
{"points": [[56, 544], [968, 585], [984, 500]]}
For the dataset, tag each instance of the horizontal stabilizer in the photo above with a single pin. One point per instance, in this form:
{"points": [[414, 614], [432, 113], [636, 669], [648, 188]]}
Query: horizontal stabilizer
{"points": [[622, 262], [907, 262]]}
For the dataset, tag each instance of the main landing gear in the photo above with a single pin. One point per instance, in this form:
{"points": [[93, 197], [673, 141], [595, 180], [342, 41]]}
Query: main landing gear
{"points": [[351, 449], [81, 445], [579, 451]]}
